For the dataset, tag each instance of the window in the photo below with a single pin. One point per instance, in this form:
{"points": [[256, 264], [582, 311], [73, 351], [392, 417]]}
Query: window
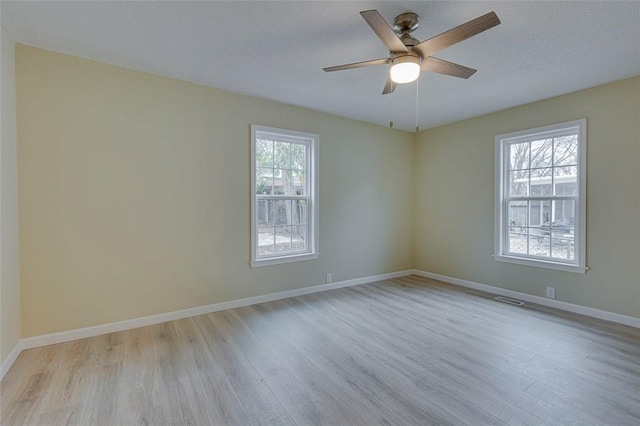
{"points": [[540, 197], [284, 205]]}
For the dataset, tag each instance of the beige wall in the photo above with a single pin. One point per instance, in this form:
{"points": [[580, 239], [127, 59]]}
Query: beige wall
{"points": [[454, 186], [134, 194], [9, 268]]}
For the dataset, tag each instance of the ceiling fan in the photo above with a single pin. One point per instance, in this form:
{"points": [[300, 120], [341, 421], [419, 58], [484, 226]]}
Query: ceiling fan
{"points": [[408, 56]]}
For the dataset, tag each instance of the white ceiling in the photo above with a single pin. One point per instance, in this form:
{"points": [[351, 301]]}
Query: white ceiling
{"points": [[276, 50]]}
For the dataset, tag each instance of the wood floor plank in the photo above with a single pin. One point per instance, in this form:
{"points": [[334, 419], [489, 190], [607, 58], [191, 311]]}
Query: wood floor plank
{"points": [[214, 393], [102, 394], [404, 351], [587, 407], [275, 415], [567, 379], [306, 401], [63, 416]]}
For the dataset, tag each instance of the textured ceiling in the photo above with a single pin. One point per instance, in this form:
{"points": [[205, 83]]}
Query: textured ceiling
{"points": [[276, 50]]}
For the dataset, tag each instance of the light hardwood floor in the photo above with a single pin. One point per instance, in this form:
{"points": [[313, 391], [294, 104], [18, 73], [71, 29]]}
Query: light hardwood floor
{"points": [[403, 351]]}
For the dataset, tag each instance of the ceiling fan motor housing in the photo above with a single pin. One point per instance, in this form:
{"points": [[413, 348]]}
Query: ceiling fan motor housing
{"points": [[403, 25], [406, 23], [408, 40]]}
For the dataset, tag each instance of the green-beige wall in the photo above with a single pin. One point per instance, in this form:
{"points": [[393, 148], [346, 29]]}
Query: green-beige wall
{"points": [[9, 267], [134, 194], [454, 189]]}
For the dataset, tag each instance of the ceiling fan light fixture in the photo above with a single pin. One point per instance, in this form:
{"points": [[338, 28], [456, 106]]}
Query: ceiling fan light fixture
{"points": [[405, 69]]}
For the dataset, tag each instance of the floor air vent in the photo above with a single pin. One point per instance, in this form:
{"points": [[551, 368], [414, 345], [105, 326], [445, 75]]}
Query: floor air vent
{"points": [[509, 301]]}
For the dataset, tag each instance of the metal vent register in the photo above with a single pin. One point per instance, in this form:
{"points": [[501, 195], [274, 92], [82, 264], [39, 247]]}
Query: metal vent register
{"points": [[509, 301]]}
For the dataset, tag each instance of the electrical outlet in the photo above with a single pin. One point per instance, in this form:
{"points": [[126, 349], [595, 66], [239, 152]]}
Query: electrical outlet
{"points": [[329, 278], [551, 292]]}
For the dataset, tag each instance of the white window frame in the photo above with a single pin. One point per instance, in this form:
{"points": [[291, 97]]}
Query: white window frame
{"points": [[312, 142], [501, 213]]}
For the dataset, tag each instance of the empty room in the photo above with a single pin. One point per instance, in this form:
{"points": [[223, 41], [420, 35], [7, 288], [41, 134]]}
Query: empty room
{"points": [[319, 213]]}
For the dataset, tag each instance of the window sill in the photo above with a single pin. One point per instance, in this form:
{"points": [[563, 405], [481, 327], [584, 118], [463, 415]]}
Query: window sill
{"points": [[566, 267], [284, 259]]}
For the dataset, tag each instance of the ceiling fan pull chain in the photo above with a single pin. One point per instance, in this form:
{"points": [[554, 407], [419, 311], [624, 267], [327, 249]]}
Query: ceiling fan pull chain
{"points": [[391, 101], [417, 103]]}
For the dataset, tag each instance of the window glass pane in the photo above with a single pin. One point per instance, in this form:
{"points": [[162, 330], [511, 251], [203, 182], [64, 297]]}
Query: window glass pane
{"points": [[562, 245], [566, 180], [517, 213], [563, 230], [540, 213], [541, 182], [518, 220], [541, 173], [283, 239], [282, 154], [266, 241], [278, 186], [541, 153], [518, 183], [264, 153], [563, 215], [298, 182], [519, 156], [264, 181], [299, 212], [287, 182], [539, 242], [282, 212], [266, 212], [540, 230], [298, 156], [517, 240], [299, 238], [565, 151]]}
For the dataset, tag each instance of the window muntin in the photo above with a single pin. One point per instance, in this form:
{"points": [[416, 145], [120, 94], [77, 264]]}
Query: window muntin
{"points": [[284, 206], [540, 199]]}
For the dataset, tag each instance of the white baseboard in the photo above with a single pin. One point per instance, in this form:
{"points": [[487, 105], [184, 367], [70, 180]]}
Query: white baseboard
{"points": [[13, 355], [565, 306], [65, 336], [81, 333]]}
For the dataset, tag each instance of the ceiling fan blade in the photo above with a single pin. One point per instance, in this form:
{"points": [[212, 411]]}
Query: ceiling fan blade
{"points": [[457, 34], [384, 31], [389, 86], [445, 67], [357, 65]]}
